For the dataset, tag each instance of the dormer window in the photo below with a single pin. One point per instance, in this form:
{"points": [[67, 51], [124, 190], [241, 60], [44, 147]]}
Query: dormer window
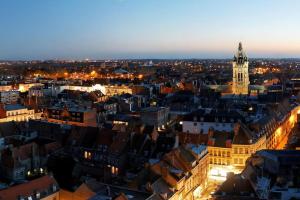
{"points": [[54, 188]]}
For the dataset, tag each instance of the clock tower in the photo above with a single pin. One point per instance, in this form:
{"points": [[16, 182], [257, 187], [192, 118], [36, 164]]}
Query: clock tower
{"points": [[240, 76]]}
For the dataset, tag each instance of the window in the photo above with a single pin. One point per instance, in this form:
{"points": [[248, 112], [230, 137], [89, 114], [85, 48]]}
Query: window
{"points": [[240, 161], [235, 150], [235, 161], [87, 155], [114, 170], [241, 150]]}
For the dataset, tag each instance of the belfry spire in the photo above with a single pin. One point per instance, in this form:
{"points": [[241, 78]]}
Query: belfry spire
{"points": [[240, 46], [240, 77]]}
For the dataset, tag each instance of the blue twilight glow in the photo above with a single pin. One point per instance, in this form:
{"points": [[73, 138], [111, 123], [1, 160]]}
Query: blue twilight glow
{"points": [[47, 29]]}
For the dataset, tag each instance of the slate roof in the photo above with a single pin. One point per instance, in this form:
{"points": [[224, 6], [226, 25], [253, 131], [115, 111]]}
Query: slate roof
{"points": [[243, 136], [235, 187], [222, 116], [12, 107]]}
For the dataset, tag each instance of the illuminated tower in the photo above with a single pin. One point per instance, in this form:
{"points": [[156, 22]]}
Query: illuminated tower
{"points": [[240, 76]]}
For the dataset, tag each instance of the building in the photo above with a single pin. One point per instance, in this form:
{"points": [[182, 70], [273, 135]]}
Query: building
{"points": [[9, 97], [36, 91], [24, 87], [202, 120], [44, 188], [18, 161], [6, 88], [229, 151], [72, 114], [240, 77], [107, 90], [94, 190], [182, 173], [269, 174], [155, 116], [17, 112]]}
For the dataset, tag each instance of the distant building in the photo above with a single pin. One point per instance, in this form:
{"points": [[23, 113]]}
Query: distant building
{"points": [[24, 87], [9, 97], [108, 90], [36, 91], [240, 77], [72, 115], [155, 116], [6, 88], [16, 112]]}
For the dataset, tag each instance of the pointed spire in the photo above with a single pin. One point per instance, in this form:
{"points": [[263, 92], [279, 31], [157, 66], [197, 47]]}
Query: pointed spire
{"points": [[240, 46]]}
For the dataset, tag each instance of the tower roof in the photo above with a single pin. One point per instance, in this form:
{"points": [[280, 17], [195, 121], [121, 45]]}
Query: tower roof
{"points": [[240, 46], [240, 56]]}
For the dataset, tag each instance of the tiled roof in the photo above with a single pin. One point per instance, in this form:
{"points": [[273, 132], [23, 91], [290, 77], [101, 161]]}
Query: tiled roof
{"points": [[221, 137], [243, 136], [236, 186], [42, 185], [119, 143]]}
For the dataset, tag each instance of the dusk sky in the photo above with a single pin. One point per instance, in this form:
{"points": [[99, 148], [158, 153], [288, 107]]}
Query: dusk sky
{"points": [[105, 29]]}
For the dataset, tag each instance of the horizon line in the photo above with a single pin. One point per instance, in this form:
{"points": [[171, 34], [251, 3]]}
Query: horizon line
{"points": [[116, 59]]}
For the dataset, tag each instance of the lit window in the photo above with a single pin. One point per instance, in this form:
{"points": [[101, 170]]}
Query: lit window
{"points": [[87, 155]]}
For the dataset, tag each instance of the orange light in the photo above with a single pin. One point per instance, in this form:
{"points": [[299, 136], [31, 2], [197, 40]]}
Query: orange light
{"points": [[140, 76], [93, 73]]}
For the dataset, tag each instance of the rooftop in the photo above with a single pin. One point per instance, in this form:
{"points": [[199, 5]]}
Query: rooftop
{"points": [[12, 107]]}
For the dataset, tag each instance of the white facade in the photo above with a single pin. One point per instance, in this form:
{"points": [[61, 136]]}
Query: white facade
{"points": [[19, 113], [109, 90]]}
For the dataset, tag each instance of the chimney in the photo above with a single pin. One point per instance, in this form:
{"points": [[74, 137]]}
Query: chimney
{"points": [[164, 171], [211, 142], [236, 128], [176, 144], [108, 190], [228, 143], [210, 132]]}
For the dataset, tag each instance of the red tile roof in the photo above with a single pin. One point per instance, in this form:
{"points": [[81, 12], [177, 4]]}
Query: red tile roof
{"points": [[27, 189]]}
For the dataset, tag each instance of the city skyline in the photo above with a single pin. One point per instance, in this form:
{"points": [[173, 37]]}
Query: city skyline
{"points": [[131, 29]]}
